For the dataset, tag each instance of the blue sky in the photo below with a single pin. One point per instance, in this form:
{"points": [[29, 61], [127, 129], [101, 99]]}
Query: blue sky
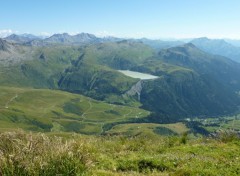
{"points": [[123, 18]]}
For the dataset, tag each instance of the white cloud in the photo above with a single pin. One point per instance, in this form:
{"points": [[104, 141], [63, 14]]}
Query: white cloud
{"points": [[6, 32], [104, 34], [45, 34], [70, 33], [137, 35], [74, 33]]}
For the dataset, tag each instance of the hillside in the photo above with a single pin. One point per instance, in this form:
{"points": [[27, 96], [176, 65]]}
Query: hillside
{"points": [[191, 83], [57, 111], [160, 44], [222, 69]]}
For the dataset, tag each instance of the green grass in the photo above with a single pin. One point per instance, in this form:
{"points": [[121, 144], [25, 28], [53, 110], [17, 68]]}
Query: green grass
{"points": [[148, 129], [222, 123], [119, 55], [26, 154], [51, 110]]}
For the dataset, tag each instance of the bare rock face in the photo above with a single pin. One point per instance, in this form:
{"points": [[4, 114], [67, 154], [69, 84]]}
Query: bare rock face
{"points": [[136, 89], [42, 57], [12, 53], [3, 45], [20, 39]]}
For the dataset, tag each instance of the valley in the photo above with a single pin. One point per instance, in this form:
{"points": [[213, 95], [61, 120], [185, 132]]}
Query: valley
{"points": [[120, 88]]}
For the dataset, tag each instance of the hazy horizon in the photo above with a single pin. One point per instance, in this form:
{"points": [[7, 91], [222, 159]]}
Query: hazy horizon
{"points": [[126, 37]]}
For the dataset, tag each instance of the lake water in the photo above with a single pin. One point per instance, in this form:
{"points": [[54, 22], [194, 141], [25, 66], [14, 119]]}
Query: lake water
{"points": [[139, 75]]}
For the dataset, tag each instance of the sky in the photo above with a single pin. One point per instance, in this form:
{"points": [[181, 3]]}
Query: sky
{"points": [[154, 19]]}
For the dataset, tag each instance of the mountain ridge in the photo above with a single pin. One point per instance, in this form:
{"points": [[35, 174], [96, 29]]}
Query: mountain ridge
{"points": [[214, 46], [219, 47]]}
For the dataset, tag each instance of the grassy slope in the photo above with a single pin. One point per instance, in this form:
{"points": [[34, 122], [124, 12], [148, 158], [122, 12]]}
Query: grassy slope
{"points": [[119, 55], [148, 129], [30, 71], [38, 154], [228, 123], [96, 81], [48, 110]]}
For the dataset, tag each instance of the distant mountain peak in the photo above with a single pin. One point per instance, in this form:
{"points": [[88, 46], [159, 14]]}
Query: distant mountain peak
{"points": [[12, 36], [205, 39], [86, 36], [218, 47], [183, 54], [190, 45], [65, 38], [202, 38], [22, 38], [185, 48], [59, 35]]}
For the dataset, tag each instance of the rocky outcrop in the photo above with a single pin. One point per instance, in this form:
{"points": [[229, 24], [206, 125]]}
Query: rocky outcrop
{"points": [[42, 57], [18, 39], [3, 45], [135, 90]]}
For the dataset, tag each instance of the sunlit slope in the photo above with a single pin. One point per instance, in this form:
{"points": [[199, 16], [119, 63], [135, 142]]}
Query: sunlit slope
{"points": [[49, 110], [148, 129]]}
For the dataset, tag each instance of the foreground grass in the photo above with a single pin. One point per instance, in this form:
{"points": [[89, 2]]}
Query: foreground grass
{"points": [[70, 154]]}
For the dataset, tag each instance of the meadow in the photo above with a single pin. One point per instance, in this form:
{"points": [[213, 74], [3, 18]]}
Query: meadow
{"points": [[43, 110]]}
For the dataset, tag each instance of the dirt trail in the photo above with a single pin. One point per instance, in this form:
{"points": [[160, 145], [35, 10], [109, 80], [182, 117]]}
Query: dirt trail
{"points": [[13, 98], [88, 111], [90, 107]]}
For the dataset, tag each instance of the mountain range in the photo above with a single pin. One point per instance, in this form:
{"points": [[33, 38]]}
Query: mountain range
{"points": [[225, 47], [194, 79], [21, 38]]}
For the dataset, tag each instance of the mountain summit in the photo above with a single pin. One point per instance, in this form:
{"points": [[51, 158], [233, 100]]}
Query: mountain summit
{"points": [[219, 47], [65, 38], [18, 38]]}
